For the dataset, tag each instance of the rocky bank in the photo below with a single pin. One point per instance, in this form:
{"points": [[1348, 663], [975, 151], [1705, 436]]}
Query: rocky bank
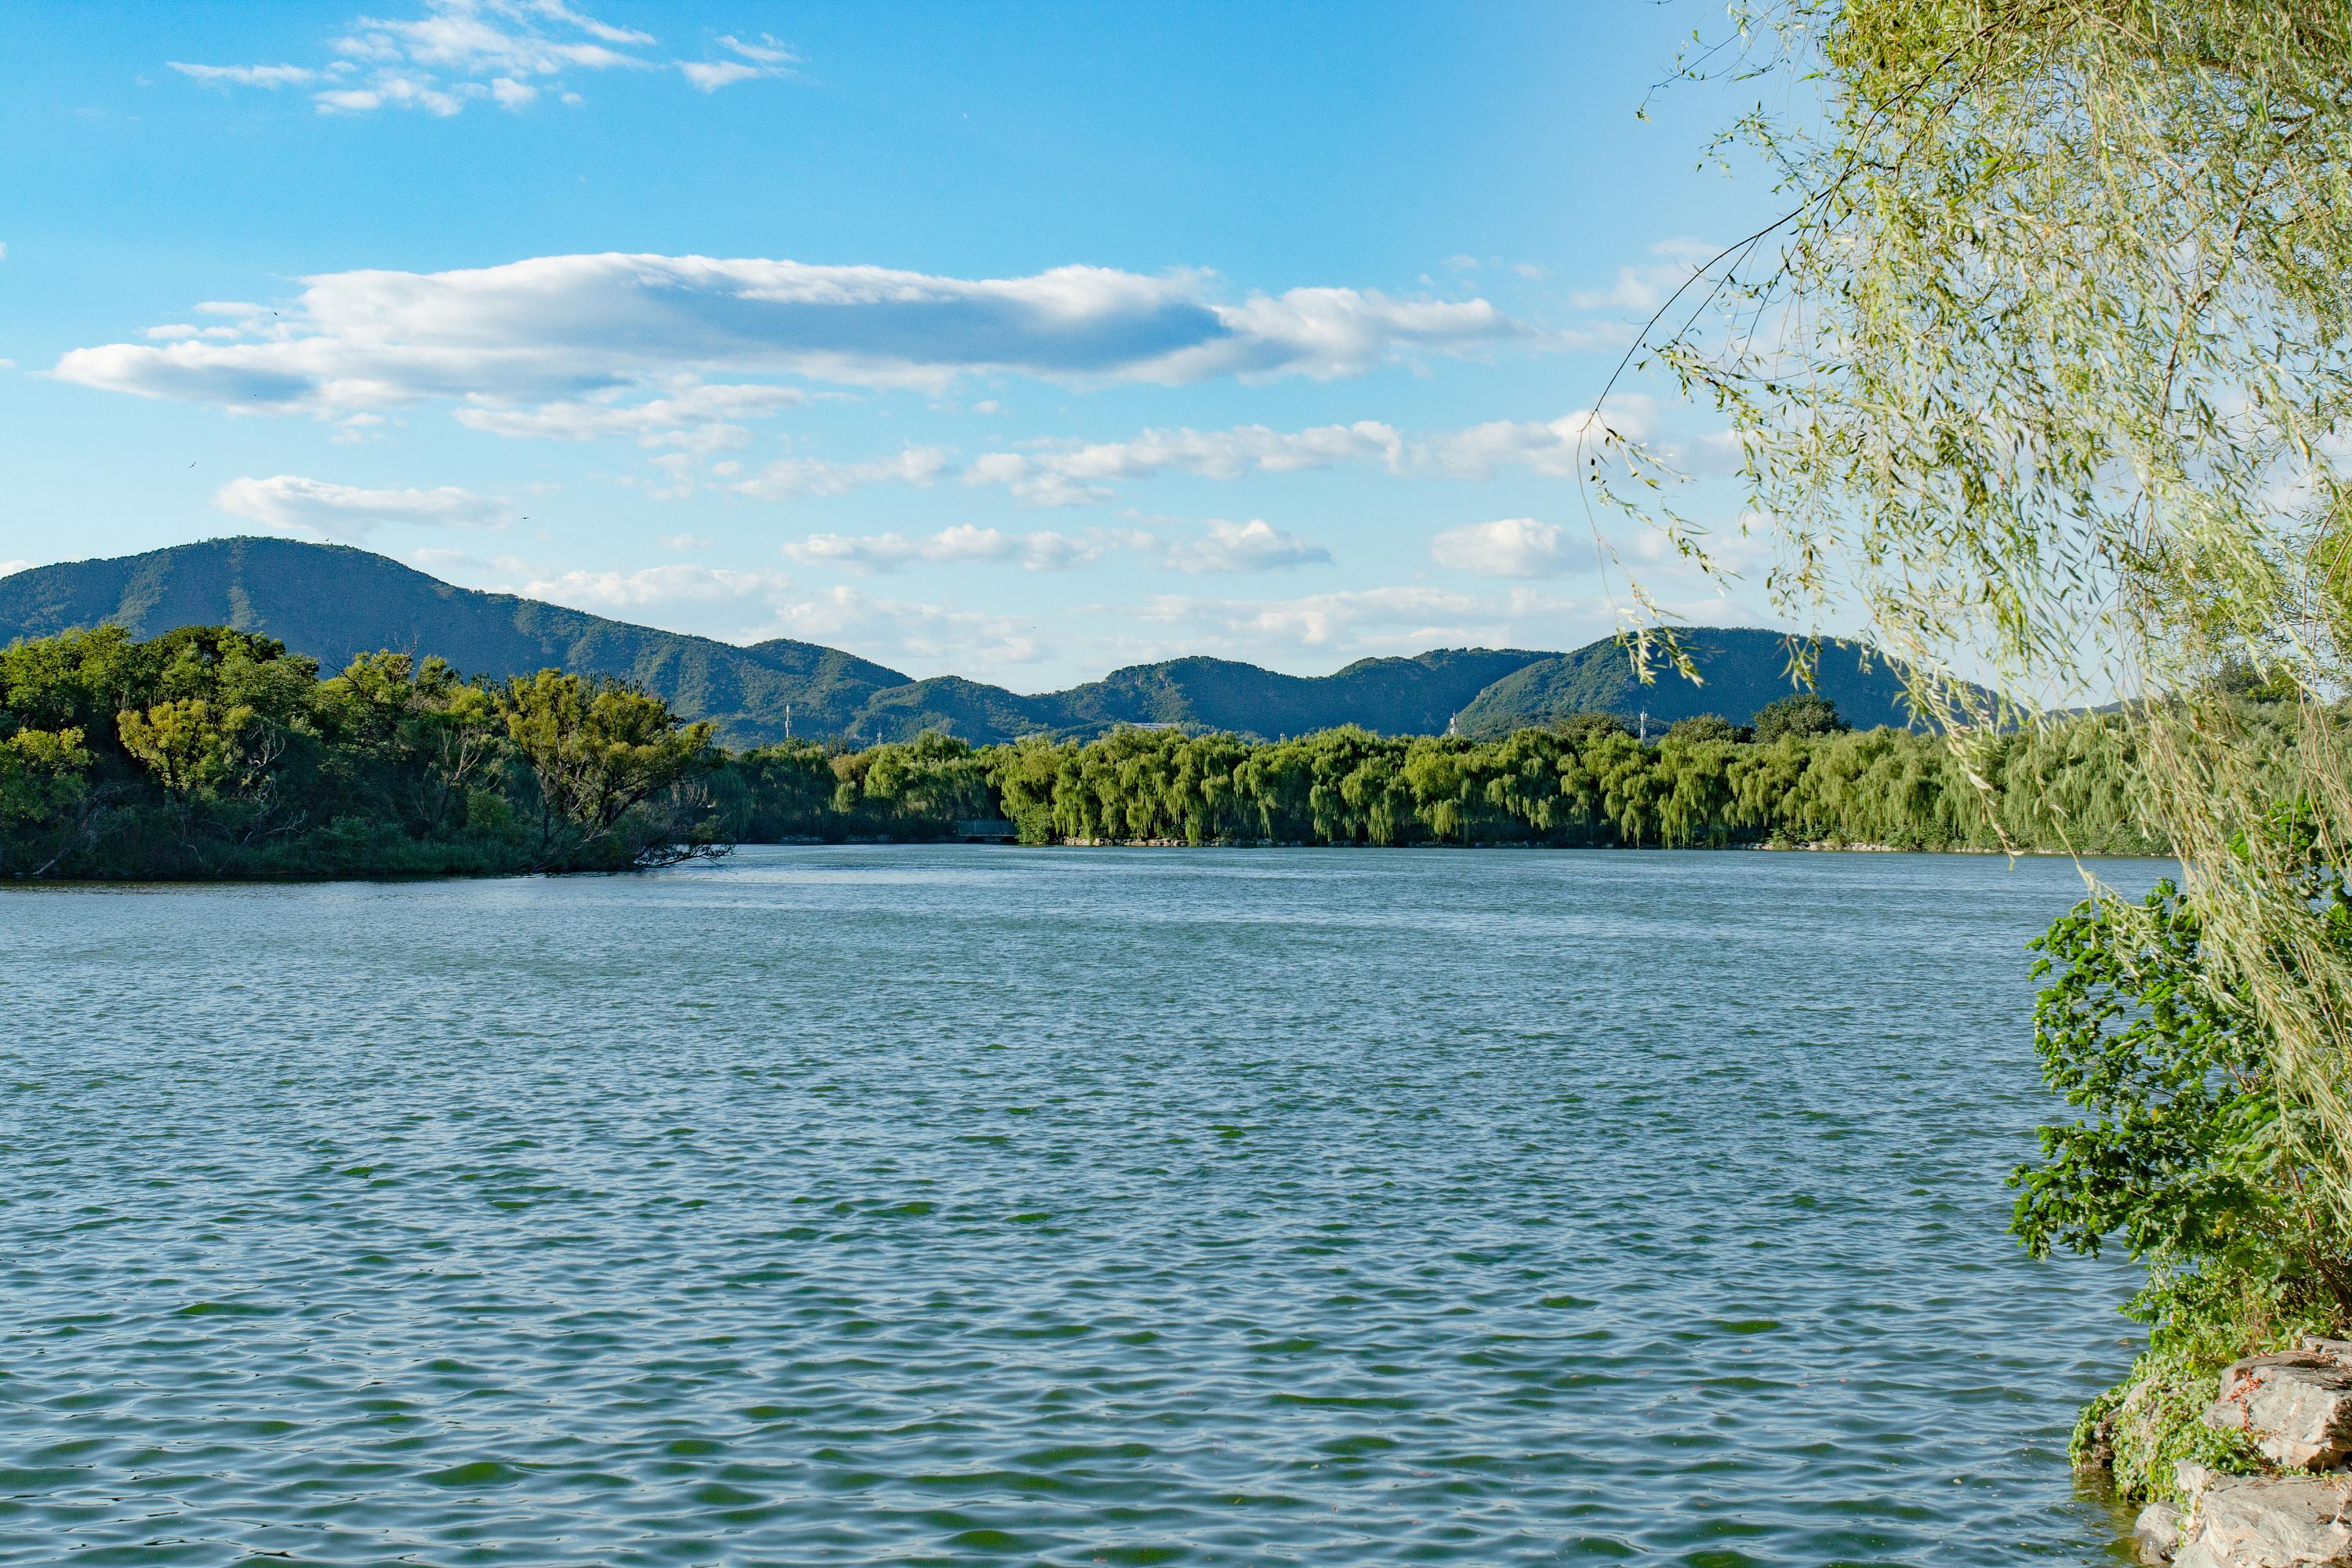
{"points": [[2296, 1409]]}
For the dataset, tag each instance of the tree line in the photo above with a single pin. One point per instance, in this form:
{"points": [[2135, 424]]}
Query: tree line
{"points": [[212, 753], [1590, 781]]}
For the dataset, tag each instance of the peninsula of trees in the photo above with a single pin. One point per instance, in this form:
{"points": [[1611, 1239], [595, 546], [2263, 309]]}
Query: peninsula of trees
{"points": [[212, 752]]}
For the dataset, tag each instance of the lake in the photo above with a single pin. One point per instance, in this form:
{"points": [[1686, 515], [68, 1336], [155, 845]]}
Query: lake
{"points": [[840, 1206]]}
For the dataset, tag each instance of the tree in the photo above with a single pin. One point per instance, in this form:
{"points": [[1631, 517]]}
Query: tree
{"points": [[44, 782], [1706, 729], [2045, 366], [595, 749], [1578, 729], [2188, 1148], [1802, 713]]}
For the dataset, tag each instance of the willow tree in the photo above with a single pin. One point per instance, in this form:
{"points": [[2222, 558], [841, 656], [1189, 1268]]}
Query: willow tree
{"points": [[2043, 367]]}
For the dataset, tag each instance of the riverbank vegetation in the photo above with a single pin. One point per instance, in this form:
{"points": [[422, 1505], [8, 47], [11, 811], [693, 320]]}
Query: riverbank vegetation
{"points": [[2189, 1149], [1589, 782], [2045, 372], [209, 753]]}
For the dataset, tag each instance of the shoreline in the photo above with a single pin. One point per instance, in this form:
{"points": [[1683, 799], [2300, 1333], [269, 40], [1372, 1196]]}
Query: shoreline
{"points": [[874, 842]]}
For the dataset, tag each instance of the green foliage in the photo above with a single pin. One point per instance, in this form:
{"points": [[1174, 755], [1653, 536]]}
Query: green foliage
{"points": [[2199, 1322], [2187, 1149], [594, 750], [1706, 729], [212, 753], [1802, 714], [1585, 783]]}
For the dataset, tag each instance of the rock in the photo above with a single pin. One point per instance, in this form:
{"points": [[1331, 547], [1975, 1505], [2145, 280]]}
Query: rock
{"points": [[2099, 1453], [2268, 1521], [2295, 1405], [2157, 1532]]}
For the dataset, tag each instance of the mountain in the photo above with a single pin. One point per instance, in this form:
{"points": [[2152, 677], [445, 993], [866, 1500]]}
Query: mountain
{"points": [[1412, 696], [1741, 668], [333, 602]]}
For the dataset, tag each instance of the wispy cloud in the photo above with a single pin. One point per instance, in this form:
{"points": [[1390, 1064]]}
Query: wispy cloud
{"points": [[1406, 618], [1253, 546], [1216, 546], [349, 514], [790, 478], [698, 418], [1507, 547], [1557, 448], [1043, 551], [1078, 473], [561, 328], [506, 52], [675, 582], [246, 76], [1074, 473], [1644, 287]]}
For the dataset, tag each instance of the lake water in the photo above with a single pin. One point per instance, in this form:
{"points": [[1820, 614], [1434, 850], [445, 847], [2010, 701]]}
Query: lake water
{"points": [[977, 1205]]}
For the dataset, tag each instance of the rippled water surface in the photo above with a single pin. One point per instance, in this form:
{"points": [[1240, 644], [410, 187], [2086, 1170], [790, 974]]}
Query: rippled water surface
{"points": [[898, 1205]]}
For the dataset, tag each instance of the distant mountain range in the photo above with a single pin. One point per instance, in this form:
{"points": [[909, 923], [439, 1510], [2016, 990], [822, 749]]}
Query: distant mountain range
{"points": [[333, 602]]}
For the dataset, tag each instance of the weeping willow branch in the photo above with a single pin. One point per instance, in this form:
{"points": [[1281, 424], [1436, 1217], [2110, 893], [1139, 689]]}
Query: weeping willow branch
{"points": [[2045, 372]]}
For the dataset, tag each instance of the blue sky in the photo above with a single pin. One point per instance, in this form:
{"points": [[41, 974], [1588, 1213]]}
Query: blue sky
{"points": [[1016, 342]]}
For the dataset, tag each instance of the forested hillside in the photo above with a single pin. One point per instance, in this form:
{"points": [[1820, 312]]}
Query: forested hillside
{"points": [[1742, 670], [331, 603]]}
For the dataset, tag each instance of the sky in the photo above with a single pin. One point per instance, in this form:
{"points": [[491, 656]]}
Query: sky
{"points": [[1014, 341]]}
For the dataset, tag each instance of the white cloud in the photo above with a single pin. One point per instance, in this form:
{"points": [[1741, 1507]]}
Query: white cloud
{"points": [[10, 568], [172, 332], [928, 639], [677, 583], [1644, 288], [767, 57], [566, 327], [401, 92], [246, 76], [1073, 473], [1038, 552], [1507, 547], [1253, 546], [1405, 618], [1748, 543], [455, 52], [1221, 546], [1078, 473], [698, 418], [349, 514], [712, 75], [685, 541], [768, 51], [793, 476], [1558, 448]]}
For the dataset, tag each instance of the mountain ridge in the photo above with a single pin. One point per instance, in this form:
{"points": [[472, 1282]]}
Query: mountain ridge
{"points": [[333, 602]]}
